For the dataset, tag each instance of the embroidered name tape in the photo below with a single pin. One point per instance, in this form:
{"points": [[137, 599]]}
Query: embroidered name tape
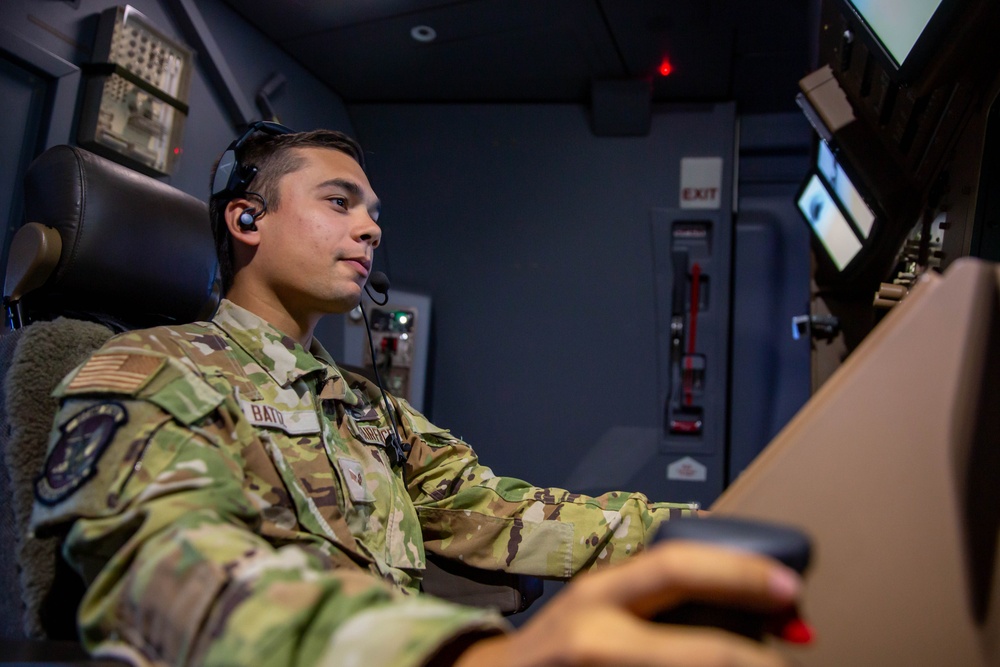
{"points": [[293, 422], [370, 434]]}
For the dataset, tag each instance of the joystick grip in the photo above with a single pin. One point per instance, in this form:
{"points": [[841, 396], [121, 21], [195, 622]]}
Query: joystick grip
{"points": [[785, 544]]}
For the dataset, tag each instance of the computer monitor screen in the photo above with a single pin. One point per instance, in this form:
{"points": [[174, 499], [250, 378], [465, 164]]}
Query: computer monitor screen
{"points": [[828, 222], [850, 199], [897, 24]]}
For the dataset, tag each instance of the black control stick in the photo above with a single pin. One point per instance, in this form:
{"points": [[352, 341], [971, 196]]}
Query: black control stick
{"points": [[783, 543]]}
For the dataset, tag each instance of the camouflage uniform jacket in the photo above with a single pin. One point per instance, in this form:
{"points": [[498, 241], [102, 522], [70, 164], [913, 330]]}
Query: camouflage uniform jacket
{"points": [[229, 504]]}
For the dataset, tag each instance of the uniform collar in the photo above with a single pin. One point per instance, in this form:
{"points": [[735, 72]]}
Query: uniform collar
{"points": [[281, 356]]}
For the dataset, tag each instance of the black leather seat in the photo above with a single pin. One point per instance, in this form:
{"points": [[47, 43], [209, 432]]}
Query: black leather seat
{"points": [[104, 250]]}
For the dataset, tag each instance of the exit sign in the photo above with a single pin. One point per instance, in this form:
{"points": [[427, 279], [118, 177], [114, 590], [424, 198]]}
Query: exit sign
{"points": [[701, 182]]}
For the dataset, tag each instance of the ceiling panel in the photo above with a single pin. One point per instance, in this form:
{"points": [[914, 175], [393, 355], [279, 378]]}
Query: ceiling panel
{"points": [[547, 50], [283, 19], [488, 50]]}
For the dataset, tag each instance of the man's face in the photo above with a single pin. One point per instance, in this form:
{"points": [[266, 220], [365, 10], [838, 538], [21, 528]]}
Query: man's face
{"points": [[315, 249]]}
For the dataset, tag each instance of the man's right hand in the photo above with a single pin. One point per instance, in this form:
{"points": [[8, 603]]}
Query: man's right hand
{"points": [[601, 618]]}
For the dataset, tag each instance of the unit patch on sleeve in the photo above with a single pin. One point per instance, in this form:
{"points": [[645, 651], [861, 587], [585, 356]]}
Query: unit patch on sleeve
{"points": [[73, 459]]}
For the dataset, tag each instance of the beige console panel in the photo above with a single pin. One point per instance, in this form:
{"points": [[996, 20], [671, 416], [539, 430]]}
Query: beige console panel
{"points": [[893, 468]]}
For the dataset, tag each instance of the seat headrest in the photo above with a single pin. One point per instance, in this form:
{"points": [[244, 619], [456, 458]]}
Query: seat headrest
{"points": [[133, 248]]}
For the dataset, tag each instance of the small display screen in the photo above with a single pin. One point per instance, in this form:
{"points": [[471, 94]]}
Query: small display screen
{"points": [[843, 188], [898, 24], [828, 222]]}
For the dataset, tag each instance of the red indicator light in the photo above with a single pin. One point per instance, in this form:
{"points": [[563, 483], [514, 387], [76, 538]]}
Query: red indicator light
{"points": [[177, 150], [665, 67]]}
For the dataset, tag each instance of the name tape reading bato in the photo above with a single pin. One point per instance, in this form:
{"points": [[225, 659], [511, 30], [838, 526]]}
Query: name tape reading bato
{"points": [[293, 422]]}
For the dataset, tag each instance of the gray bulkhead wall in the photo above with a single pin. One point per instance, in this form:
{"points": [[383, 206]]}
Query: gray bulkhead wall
{"points": [[535, 239], [770, 369]]}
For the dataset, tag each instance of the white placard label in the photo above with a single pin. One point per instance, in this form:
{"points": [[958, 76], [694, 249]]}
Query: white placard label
{"points": [[687, 470], [701, 182]]}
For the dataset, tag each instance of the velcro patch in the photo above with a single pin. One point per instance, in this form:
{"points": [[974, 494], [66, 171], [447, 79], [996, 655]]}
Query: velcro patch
{"points": [[73, 459], [354, 475], [117, 372]]}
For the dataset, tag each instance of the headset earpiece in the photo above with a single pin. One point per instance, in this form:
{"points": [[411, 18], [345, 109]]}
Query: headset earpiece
{"points": [[247, 221]]}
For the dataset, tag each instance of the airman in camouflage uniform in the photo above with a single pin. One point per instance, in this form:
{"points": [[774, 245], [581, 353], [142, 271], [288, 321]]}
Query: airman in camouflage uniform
{"points": [[232, 500], [242, 483]]}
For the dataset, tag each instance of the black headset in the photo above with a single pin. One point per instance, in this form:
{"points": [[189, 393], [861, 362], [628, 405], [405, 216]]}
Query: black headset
{"points": [[232, 177]]}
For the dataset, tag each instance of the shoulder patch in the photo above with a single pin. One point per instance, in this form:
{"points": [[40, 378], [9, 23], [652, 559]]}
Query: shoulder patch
{"points": [[73, 459], [116, 372]]}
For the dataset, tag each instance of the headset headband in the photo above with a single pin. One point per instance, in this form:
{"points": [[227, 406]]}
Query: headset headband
{"points": [[232, 178]]}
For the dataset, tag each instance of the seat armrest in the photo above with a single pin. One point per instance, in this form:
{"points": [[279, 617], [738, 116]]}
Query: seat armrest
{"points": [[33, 256], [50, 653], [462, 584]]}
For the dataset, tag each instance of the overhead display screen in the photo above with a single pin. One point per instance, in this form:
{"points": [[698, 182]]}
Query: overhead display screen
{"points": [[850, 199], [898, 24], [828, 222]]}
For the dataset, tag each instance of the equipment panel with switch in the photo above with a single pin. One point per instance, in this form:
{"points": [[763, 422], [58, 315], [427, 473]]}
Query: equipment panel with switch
{"points": [[692, 267], [400, 336], [392, 337]]}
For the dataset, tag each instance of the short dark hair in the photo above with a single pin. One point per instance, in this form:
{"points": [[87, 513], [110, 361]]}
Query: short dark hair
{"points": [[274, 156]]}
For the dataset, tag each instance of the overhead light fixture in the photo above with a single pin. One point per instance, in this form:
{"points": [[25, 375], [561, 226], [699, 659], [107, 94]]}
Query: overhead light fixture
{"points": [[423, 33]]}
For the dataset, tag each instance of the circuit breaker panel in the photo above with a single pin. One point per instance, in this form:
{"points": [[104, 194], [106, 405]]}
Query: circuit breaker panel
{"points": [[400, 331]]}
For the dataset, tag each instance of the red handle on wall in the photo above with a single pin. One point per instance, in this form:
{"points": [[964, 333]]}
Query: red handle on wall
{"points": [[693, 334]]}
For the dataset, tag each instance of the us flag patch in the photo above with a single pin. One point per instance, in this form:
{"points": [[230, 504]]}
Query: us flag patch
{"points": [[121, 372]]}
